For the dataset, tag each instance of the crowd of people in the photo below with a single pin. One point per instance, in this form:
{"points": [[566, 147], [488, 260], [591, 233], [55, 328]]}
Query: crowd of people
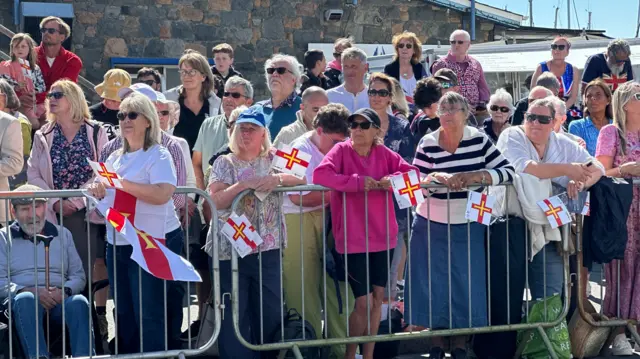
{"points": [[574, 130]]}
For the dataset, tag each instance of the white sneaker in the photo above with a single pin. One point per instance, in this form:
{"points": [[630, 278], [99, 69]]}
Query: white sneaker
{"points": [[621, 346]]}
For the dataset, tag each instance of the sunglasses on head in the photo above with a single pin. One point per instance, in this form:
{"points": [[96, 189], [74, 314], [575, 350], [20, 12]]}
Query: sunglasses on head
{"points": [[459, 42], [163, 113], [363, 125], [381, 93], [401, 46], [233, 94], [279, 70], [558, 47], [496, 108], [55, 95], [542, 119], [50, 30], [130, 115]]}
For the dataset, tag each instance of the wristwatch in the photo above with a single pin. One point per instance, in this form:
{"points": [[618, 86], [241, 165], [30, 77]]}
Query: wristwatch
{"points": [[67, 291]]}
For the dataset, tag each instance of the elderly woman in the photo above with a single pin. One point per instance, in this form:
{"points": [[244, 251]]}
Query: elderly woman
{"points": [[597, 101], [473, 85], [406, 66], [58, 161], [501, 109], [196, 96], [283, 73], [148, 175], [567, 74], [248, 166], [546, 164], [10, 104], [455, 155], [352, 167], [618, 151]]}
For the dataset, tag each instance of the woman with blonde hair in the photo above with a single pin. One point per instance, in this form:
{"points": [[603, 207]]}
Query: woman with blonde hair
{"points": [[196, 96], [406, 66], [58, 160], [24, 74], [399, 104]]}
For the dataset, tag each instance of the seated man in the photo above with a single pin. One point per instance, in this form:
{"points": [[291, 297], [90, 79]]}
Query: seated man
{"points": [[18, 258]]}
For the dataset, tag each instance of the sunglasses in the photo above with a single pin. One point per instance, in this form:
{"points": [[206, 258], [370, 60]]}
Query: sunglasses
{"points": [[337, 54], [558, 47], [401, 46], [363, 125], [50, 30], [279, 70], [496, 108], [163, 113], [233, 94], [381, 93], [459, 42], [542, 119], [55, 95], [148, 82], [446, 85], [637, 96], [130, 115]]}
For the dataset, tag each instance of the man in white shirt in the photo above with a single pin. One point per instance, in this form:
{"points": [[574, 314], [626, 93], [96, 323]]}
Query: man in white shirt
{"points": [[330, 127], [353, 92], [313, 98]]}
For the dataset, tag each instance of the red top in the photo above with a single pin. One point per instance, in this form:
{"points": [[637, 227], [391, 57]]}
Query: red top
{"points": [[66, 65]]}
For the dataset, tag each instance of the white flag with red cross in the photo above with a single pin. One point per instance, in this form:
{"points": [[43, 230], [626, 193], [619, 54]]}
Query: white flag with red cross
{"points": [[556, 212], [241, 234], [480, 207], [587, 205], [106, 174], [406, 190], [291, 160]]}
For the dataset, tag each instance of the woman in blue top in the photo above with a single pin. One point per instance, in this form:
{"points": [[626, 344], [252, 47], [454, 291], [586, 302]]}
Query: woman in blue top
{"points": [[567, 74], [597, 101]]}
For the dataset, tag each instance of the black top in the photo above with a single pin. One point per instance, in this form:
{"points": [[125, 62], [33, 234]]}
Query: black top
{"points": [[309, 79], [521, 108], [222, 80], [333, 78], [107, 118], [393, 69], [189, 125]]}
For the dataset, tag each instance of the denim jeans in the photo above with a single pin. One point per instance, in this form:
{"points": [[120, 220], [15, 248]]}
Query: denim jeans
{"points": [[131, 280], [546, 263], [76, 317]]}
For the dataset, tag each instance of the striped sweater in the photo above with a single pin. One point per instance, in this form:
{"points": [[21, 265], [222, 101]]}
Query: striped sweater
{"points": [[475, 152]]}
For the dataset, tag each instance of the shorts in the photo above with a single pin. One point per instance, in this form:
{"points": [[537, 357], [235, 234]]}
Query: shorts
{"points": [[378, 271]]}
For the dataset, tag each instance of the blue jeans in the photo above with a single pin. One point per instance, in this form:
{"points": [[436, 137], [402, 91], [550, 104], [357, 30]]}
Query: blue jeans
{"points": [[131, 280], [76, 317], [547, 262]]}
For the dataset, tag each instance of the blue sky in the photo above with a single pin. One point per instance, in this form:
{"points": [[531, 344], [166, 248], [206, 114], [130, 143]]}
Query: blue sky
{"points": [[617, 17]]}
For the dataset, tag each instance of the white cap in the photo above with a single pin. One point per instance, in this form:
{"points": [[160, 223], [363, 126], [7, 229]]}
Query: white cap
{"points": [[141, 88], [160, 97]]}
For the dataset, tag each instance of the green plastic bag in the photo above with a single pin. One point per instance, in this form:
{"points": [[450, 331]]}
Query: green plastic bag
{"points": [[558, 335]]}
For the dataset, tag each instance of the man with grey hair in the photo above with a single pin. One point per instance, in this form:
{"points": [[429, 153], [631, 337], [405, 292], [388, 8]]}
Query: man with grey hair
{"points": [[536, 93], [313, 98], [561, 118], [353, 92], [468, 70], [22, 253], [613, 66]]}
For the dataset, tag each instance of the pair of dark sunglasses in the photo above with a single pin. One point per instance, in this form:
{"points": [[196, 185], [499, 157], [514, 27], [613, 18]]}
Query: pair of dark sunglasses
{"points": [[50, 30], [149, 83], [542, 119], [55, 95], [558, 47], [363, 125], [279, 70], [233, 94], [401, 46], [381, 93], [459, 42], [496, 108], [130, 115]]}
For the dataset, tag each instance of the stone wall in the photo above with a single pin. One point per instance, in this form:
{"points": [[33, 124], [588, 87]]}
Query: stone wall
{"points": [[256, 28]]}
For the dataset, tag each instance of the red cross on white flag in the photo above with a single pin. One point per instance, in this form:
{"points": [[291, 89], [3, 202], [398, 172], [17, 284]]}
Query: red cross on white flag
{"points": [[291, 160], [106, 173], [556, 212], [406, 189], [241, 234], [480, 207]]}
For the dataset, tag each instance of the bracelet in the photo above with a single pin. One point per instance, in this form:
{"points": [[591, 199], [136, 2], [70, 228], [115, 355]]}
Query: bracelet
{"points": [[483, 181], [279, 180]]}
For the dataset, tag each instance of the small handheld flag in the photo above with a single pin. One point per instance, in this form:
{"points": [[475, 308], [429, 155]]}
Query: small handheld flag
{"points": [[587, 205], [291, 160], [480, 207], [556, 212], [406, 189], [106, 173], [241, 234]]}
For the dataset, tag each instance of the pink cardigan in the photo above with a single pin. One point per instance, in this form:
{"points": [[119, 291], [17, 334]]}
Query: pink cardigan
{"points": [[39, 164], [343, 170]]}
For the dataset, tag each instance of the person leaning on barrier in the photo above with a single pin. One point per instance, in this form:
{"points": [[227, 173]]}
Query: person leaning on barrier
{"points": [[501, 108], [20, 260], [330, 128], [457, 156], [249, 167], [148, 174], [313, 98], [617, 150], [546, 164], [355, 168]]}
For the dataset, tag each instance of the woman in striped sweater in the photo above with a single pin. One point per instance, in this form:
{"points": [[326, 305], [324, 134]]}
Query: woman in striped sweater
{"points": [[456, 156]]}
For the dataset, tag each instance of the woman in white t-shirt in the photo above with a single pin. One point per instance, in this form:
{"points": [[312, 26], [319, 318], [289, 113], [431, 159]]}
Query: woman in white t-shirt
{"points": [[148, 182]]}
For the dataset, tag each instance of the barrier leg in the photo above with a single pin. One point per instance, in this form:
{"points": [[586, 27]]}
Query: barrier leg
{"points": [[547, 343], [296, 352]]}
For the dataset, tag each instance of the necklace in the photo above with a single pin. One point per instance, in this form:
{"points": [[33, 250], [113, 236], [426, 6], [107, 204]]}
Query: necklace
{"points": [[406, 76]]}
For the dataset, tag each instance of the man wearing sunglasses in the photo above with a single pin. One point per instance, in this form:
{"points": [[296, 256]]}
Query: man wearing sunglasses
{"points": [[613, 66], [54, 60], [151, 77], [106, 111], [313, 99]]}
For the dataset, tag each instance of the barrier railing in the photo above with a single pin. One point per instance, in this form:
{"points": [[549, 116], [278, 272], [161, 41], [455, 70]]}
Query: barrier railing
{"points": [[261, 340], [83, 345]]}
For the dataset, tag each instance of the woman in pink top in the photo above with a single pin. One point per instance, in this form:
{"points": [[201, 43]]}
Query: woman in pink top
{"points": [[353, 168]]}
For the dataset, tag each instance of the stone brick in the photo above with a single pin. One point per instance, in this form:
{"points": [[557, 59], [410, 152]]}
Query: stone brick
{"points": [[246, 5], [112, 11], [110, 27], [293, 23], [273, 28], [204, 32], [242, 55], [173, 14], [165, 30], [397, 28], [307, 9], [85, 17], [164, 2], [281, 8], [220, 5], [116, 47], [189, 13], [201, 5], [91, 31], [374, 35], [212, 19], [173, 47], [262, 3], [154, 48], [182, 30], [311, 23], [198, 47], [235, 18], [149, 27]]}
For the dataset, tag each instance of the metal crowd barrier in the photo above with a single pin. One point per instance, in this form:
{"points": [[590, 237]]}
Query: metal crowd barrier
{"points": [[283, 346], [9, 344]]}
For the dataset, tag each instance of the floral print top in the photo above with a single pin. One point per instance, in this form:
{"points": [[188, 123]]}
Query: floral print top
{"points": [[400, 140], [266, 216], [69, 160]]}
